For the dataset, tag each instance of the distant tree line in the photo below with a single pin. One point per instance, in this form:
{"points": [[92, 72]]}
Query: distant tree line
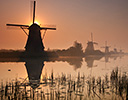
{"points": [[75, 50]]}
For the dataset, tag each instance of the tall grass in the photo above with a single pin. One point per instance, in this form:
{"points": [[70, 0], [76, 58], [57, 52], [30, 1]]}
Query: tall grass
{"points": [[66, 87]]}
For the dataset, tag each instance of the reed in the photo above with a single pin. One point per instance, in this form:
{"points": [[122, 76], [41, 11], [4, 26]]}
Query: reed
{"points": [[65, 87]]}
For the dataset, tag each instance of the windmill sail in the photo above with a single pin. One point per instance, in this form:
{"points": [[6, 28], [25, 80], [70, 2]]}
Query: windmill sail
{"points": [[17, 25], [34, 12]]}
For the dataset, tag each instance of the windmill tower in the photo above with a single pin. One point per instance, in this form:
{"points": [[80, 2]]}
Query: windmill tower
{"points": [[34, 42], [90, 45], [121, 50], [106, 48], [115, 50]]}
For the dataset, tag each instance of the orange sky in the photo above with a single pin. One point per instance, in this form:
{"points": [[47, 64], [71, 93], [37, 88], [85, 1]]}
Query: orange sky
{"points": [[74, 20]]}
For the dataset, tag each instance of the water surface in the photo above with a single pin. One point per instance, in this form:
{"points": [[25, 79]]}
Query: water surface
{"points": [[96, 66]]}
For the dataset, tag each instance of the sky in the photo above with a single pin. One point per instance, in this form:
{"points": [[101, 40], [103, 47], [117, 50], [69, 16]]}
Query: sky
{"points": [[74, 20]]}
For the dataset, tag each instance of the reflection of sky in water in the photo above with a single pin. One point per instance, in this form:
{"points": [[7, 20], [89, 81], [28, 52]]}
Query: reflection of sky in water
{"points": [[17, 70], [99, 68]]}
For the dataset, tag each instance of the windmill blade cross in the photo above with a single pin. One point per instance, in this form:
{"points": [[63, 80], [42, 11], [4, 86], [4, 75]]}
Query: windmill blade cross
{"points": [[18, 25], [47, 28], [34, 12], [92, 37], [95, 43]]}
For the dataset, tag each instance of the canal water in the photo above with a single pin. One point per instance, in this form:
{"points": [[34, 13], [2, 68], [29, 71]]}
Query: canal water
{"points": [[94, 66], [72, 69]]}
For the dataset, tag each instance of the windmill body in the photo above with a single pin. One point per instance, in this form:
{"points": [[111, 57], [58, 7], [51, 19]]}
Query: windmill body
{"points": [[115, 50], [106, 48], [90, 46], [34, 42]]}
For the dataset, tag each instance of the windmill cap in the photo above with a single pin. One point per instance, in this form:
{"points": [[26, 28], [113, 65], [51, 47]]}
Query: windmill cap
{"points": [[34, 27]]}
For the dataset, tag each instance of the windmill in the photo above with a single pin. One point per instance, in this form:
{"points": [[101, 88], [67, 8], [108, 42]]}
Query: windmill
{"points": [[34, 42], [121, 50], [106, 48], [90, 45], [115, 49]]}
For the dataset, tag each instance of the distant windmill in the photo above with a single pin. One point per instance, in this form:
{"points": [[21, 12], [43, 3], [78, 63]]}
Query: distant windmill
{"points": [[34, 42], [121, 50], [106, 48], [115, 49], [90, 45]]}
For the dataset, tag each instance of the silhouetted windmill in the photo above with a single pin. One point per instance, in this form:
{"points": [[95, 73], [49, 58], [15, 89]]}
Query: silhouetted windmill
{"points": [[34, 43], [106, 48], [121, 50], [115, 49], [90, 45]]}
